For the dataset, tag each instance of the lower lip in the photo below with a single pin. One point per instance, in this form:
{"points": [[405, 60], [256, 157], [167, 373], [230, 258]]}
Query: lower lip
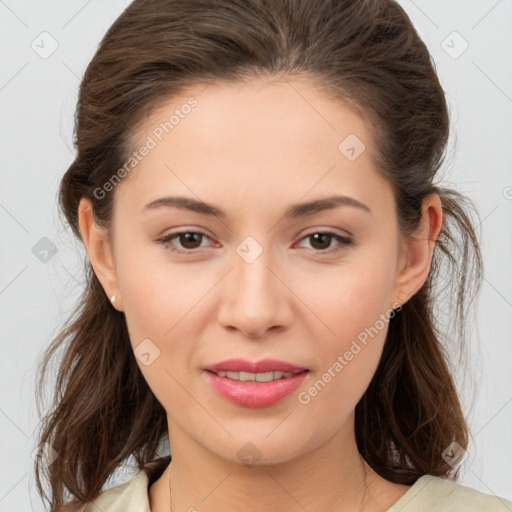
{"points": [[255, 394]]}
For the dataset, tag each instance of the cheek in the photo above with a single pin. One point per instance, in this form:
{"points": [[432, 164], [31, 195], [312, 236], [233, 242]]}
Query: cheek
{"points": [[347, 361], [161, 300], [158, 294], [356, 308], [352, 299]]}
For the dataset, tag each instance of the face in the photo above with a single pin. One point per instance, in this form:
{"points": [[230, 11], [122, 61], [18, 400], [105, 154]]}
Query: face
{"points": [[310, 288]]}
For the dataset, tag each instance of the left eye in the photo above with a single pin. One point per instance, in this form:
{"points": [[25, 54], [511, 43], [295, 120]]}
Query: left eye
{"points": [[189, 240], [323, 238]]}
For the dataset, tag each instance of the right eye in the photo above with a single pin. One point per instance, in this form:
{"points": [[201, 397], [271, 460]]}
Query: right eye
{"points": [[187, 239]]}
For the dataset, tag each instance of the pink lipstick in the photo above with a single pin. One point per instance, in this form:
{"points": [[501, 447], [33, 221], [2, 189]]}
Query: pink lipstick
{"points": [[255, 384]]}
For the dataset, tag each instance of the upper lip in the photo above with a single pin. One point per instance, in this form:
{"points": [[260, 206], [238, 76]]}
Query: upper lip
{"points": [[263, 366]]}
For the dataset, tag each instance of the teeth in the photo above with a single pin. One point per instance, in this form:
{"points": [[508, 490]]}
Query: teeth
{"points": [[255, 377]]}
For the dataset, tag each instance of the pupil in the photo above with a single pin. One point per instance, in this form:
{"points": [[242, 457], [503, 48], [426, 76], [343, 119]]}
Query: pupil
{"points": [[320, 236], [189, 238]]}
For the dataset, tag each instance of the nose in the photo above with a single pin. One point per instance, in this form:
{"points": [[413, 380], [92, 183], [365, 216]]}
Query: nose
{"points": [[254, 298]]}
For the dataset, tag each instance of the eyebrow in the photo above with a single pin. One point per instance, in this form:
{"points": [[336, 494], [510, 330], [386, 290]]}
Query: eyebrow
{"points": [[293, 211]]}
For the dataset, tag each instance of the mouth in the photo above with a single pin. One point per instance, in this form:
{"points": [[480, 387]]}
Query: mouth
{"points": [[255, 377], [255, 384], [257, 367]]}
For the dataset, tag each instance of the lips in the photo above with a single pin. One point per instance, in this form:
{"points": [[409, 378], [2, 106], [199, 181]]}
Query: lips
{"points": [[263, 366], [255, 384]]}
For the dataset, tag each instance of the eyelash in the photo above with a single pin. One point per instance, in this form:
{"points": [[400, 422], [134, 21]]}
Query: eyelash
{"points": [[345, 242]]}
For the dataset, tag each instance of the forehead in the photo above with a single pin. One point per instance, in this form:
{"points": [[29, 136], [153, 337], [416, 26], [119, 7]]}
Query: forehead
{"points": [[254, 136], [261, 106]]}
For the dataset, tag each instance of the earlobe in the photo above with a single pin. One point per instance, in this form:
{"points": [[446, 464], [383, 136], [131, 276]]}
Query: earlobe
{"points": [[99, 251], [418, 249]]}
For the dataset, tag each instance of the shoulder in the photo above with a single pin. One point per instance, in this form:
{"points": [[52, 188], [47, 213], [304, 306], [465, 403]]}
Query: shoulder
{"points": [[129, 496], [69, 507], [441, 494]]}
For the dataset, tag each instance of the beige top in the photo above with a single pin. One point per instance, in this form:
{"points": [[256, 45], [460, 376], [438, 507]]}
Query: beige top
{"points": [[429, 493]]}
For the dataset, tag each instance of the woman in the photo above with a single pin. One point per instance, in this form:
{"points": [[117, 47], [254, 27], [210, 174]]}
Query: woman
{"points": [[255, 188]]}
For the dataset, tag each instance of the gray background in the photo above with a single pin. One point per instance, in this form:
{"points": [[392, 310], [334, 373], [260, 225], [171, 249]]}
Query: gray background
{"points": [[38, 289]]}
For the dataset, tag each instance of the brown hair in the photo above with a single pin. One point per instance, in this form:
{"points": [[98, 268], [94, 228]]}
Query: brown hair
{"points": [[364, 52]]}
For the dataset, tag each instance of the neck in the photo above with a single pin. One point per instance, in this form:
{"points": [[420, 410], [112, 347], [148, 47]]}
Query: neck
{"points": [[331, 477]]}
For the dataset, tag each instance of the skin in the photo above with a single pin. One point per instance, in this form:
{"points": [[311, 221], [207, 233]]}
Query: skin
{"points": [[253, 149]]}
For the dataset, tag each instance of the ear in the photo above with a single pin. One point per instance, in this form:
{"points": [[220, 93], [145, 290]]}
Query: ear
{"points": [[99, 251], [417, 250]]}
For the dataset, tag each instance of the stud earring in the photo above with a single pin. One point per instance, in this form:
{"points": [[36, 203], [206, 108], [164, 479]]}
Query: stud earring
{"points": [[113, 299]]}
